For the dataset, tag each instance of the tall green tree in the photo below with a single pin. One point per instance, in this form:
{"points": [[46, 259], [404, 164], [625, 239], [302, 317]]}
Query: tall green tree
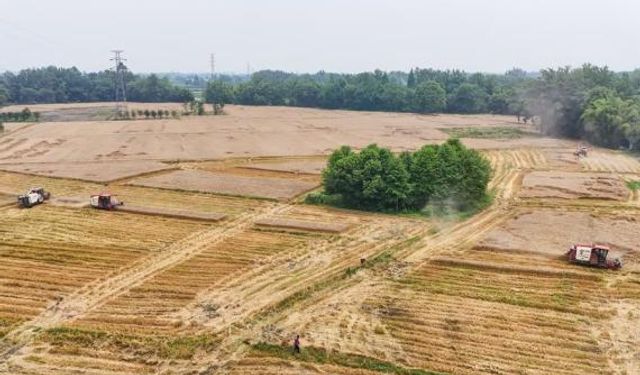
{"points": [[609, 120], [411, 80], [219, 93], [430, 97], [468, 98]]}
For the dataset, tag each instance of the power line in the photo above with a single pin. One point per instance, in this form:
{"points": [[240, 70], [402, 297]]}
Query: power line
{"points": [[120, 70], [213, 66]]}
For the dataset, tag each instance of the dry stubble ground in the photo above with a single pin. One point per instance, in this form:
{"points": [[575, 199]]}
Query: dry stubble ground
{"points": [[146, 294]]}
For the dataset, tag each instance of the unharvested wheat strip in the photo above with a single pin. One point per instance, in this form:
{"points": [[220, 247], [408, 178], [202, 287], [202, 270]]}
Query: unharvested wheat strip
{"points": [[179, 214], [489, 267], [302, 225]]}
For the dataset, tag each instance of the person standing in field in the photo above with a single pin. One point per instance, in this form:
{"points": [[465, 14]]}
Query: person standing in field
{"points": [[296, 344]]}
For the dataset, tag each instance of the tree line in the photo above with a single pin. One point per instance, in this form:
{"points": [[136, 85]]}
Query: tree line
{"points": [[69, 85], [590, 102], [420, 90], [448, 175]]}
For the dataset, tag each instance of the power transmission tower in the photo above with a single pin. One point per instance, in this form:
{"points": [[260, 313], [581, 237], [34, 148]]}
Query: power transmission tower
{"points": [[120, 70], [213, 66]]}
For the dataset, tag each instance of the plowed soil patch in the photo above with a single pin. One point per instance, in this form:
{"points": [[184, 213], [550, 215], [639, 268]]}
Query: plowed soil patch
{"points": [[294, 166], [571, 185], [553, 232], [273, 188]]}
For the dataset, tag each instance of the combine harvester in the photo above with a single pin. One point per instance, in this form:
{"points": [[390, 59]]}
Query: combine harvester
{"points": [[33, 197], [105, 201], [581, 152], [592, 255]]}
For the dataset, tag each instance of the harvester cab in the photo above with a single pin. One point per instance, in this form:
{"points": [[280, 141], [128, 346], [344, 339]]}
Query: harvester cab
{"points": [[105, 201], [592, 255], [34, 196]]}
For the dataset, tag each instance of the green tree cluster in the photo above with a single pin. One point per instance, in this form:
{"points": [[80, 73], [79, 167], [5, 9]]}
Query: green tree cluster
{"points": [[590, 102], [421, 90], [23, 116], [61, 85], [376, 179]]}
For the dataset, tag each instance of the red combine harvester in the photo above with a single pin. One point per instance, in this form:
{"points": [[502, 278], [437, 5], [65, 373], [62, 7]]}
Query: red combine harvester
{"points": [[592, 255], [105, 201]]}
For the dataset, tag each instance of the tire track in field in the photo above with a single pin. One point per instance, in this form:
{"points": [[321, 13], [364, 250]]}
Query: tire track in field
{"points": [[98, 292]]}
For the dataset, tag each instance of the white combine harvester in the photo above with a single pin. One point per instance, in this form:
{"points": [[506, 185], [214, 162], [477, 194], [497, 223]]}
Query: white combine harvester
{"points": [[33, 197]]}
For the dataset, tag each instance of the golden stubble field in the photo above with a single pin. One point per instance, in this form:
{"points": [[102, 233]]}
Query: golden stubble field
{"points": [[94, 292]]}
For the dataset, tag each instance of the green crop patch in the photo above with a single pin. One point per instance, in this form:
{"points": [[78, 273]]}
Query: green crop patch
{"points": [[505, 132]]}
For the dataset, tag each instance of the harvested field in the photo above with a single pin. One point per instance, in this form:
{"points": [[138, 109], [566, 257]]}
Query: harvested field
{"points": [[263, 187], [312, 226], [450, 317], [245, 131], [610, 161], [11, 127], [143, 293], [49, 252], [153, 306], [72, 202], [7, 199], [553, 232], [571, 185], [18, 183], [97, 172]]}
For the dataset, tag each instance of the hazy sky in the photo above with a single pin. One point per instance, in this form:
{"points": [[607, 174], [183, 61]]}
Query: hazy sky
{"points": [[333, 35]]}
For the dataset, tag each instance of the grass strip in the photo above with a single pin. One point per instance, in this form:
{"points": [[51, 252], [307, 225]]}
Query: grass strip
{"points": [[633, 185], [500, 132]]}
